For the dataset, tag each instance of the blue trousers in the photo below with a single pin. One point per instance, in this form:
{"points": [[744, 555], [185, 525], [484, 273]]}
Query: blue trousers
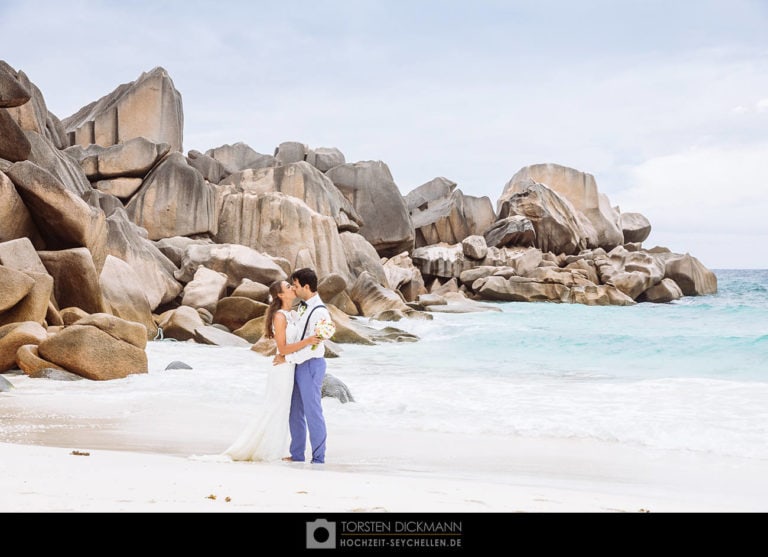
{"points": [[307, 411]]}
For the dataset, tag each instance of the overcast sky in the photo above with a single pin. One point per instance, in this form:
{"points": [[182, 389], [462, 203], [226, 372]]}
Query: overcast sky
{"points": [[664, 102]]}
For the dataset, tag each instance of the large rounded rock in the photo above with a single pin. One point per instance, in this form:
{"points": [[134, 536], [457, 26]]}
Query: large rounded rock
{"points": [[124, 296], [235, 261], [15, 219], [15, 335], [14, 285], [233, 311], [665, 291], [181, 323], [120, 329], [373, 298], [94, 354], [14, 145], [635, 227], [693, 278], [580, 189], [253, 290], [30, 362], [174, 200], [370, 188], [62, 216], [75, 279], [12, 90], [34, 306], [333, 387], [205, 289]]}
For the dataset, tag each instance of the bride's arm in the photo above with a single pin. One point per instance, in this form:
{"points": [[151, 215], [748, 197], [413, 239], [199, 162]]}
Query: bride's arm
{"points": [[282, 348]]}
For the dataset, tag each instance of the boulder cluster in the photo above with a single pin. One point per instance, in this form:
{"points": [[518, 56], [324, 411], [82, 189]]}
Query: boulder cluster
{"points": [[111, 236]]}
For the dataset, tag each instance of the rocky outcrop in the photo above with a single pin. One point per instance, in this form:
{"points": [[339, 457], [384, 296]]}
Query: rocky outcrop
{"points": [[15, 219], [235, 261], [155, 271], [211, 169], [63, 217], [30, 362], [14, 145], [362, 256], [553, 217], [14, 285], [516, 230], [124, 295], [34, 306], [665, 291], [632, 272], [75, 279], [239, 156], [31, 115], [325, 158], [634, 227], [440, 213], [520, 289], [12, 91], [174, 200], [180, 323], [300, 180], [403, 276], [372, 191], [20, 254], [251, 289], [290, 151], [283, 224], [98, 347], [235, 311], [372, 298], [580, 189], [134, 158], [693, 278], [205, 289], [149, 107], [15, 335], [208, 334], [457, 302]]}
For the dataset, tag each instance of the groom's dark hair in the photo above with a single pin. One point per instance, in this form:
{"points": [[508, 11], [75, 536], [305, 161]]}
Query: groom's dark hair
{"points": [[305, 276]]}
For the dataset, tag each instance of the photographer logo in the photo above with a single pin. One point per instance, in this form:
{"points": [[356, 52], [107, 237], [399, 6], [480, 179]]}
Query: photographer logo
{"points": [[321, 534]]}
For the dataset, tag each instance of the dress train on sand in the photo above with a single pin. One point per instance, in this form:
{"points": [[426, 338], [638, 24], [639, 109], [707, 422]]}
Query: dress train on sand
{"points": [[266, 437]]}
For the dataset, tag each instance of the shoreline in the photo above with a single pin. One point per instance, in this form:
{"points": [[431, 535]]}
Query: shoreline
{"points": [[401, 472], [151, 444]]}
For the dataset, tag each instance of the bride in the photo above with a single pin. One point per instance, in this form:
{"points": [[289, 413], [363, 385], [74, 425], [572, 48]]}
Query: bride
{"points": [[266, 437]]}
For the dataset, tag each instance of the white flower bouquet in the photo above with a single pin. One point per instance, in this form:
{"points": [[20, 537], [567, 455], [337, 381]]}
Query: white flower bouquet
{"points": [[324, 329]]}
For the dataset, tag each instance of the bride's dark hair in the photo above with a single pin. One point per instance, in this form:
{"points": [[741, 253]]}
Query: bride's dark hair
{"points": [[274, 289]]}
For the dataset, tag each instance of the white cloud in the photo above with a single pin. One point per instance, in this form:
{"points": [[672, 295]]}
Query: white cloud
{"points": [[714, 198]]}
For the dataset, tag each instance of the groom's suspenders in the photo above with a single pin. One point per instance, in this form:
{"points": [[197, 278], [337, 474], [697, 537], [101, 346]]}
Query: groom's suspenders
{"points": [[306, 323]]}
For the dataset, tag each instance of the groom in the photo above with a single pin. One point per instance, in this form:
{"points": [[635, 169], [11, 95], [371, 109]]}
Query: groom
{"points": [[306, 409]]}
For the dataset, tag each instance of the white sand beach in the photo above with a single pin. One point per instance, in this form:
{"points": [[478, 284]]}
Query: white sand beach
{"points": [[108, 467], [143, 444]]}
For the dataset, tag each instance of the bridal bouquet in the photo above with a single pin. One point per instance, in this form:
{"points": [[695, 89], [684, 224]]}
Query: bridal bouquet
{"points": [[324, 329]]}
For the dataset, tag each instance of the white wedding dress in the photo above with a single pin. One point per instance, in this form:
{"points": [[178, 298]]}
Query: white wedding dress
{"points": [[266, 437]]}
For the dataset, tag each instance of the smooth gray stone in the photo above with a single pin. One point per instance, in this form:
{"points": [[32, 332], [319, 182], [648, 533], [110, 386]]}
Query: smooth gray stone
{"points": [[176, 364], [55, 374], [333, 387], [5, 385]]}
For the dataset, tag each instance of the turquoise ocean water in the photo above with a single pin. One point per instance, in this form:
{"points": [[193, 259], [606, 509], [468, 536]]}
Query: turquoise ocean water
{"points": [[690, 375], [686, 376]]}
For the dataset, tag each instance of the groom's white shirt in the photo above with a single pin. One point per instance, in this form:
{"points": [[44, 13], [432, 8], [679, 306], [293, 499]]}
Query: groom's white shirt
{"points": [[307, 353]]}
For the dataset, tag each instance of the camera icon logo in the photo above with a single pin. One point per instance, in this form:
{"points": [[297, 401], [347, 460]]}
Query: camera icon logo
{"points": [[321, 534]]}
